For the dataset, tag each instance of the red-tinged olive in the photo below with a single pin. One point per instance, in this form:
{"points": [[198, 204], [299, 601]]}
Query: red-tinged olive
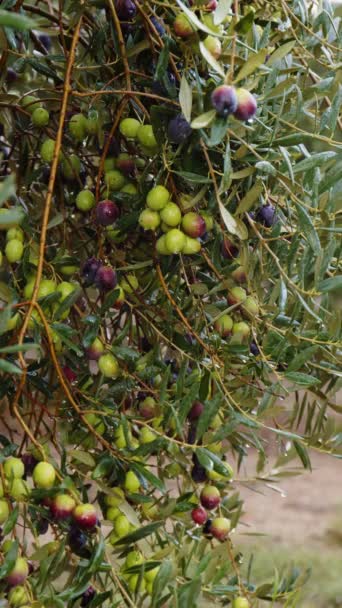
{"points": [[193, 224], [148, 408], [85, 516], [246, 105], [196, 411], [19, 573], [62, 506], [210, 497], [199, 516], [237, 295], [239, 275], [106, 278], [95, 350], [149, 220], [183, 26], [220, 528], [224, 325], [229, 250]]}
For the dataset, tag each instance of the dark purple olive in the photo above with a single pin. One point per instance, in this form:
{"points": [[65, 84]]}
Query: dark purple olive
{"points": [[266, 215], [106, 278], [254, 349], [89, 271], [107, 212], [88, 596], [45, 39], [196, 411], [125, 9], [198, 472], [11, 75], [78, 542], [224, 100], [158, 25], [42, 526], [192, 432], [179, 129], [29, 463], [207, 528]]}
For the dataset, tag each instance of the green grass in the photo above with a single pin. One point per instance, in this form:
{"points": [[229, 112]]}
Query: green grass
{"points": [[324, 586]]}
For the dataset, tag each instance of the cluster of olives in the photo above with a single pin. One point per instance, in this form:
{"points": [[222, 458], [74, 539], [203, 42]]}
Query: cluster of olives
{"points": [[39, 115], [131, 128], [210, 499], [14, 247], [61, 507], [135, 582], [181, 232], [247, 305], [240, 102]]}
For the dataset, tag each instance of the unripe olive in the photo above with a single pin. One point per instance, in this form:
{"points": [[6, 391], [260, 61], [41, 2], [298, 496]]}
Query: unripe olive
{"points": [[14, 251], [175, 240], [171, 214], [30, 103], [146, 137], [40, 117], [129, 127], [157, 198]]}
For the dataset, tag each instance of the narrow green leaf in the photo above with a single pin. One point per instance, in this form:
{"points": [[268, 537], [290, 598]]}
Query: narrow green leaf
{"points": [[253, 63], [7, 189], [301, 379], [281, 52], [302, 357], [204, 120], [9, 560], [160, 582], [188, 593], [193, 177], [331, 284], [16, 21], [214, 64], [129, 539], [9, 368], [146, 473], [317, 160], [308, 229], [185, 98], [19, 348], [249, 199], [303, 454], [211, 408]]}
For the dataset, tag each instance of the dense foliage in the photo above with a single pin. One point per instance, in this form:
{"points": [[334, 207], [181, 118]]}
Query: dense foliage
{"points": [[169, 285]]}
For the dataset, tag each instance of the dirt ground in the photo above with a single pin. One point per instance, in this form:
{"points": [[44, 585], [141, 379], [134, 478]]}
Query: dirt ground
{"points": [[302, 509]]}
